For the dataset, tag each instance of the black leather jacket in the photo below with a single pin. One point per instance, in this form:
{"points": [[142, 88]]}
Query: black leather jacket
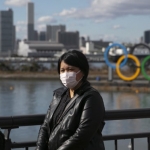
{"points": [[80, 126]]}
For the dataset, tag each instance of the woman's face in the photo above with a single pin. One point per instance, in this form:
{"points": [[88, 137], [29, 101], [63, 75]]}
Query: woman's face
{"points": [[67, 68]]}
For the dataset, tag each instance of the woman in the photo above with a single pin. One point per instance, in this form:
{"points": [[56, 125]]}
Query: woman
{"points": [[2, 141], [75, 117]]}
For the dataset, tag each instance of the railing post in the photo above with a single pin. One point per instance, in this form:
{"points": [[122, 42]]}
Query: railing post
{"points": [[132, 143], [148, 140], [7, 139], [116, 145]]}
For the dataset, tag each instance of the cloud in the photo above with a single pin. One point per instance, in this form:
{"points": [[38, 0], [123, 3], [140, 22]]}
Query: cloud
{"points": [[47, 19], [68, 12], [16, 2], [100, 10], [20, 29], [41, 27], [99, 21], [116, 27], [21, 26], [109, 37], [21, 32], [21, 23]]}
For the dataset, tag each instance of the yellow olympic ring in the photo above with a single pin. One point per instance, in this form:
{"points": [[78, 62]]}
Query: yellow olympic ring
{"points": [[137, 69]]}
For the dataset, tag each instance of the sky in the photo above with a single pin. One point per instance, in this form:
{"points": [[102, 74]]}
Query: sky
{"points": [[107, 20]]}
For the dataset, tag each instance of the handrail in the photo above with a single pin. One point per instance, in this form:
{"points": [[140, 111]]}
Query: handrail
{"points": [[105, 138], [37, 119], [126, 136], [24, 120], [10, 122], [127, 114]]}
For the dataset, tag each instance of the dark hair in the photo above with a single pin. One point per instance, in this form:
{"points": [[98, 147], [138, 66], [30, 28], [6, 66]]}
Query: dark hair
{"points": [[77, 59]]}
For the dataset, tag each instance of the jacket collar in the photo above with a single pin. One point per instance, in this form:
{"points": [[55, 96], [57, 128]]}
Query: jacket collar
{"points": [[60, 91], [84, 86]]}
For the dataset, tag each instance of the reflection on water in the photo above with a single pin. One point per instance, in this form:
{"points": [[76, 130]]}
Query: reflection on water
{"points": [[25, 97], [127, 100]]}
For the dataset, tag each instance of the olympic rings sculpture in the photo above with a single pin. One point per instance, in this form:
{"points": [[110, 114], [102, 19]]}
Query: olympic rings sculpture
{"points": [[123, 59]]}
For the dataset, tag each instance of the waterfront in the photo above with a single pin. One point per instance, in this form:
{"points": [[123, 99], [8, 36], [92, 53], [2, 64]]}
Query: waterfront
{"points": [[26, 97]]}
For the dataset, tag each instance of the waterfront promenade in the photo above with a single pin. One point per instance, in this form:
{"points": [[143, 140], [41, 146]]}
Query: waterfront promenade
{"points": [[25, 97]]}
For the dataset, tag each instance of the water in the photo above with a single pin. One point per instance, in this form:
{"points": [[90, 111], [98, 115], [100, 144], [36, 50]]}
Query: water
{"points": [[26, 97]]}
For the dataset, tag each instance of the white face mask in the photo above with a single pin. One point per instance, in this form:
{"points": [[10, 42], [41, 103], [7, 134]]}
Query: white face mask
{"points": [[68, 79]]}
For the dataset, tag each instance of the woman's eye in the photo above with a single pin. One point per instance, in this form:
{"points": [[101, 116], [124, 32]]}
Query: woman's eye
{"points": [[61, 71]]}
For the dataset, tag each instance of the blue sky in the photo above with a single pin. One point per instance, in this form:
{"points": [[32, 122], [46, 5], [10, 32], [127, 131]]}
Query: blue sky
{"points": [[110, 20]]}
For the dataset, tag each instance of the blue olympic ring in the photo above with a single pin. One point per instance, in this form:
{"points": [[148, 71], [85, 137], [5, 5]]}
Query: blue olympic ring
{"points": [[106, 54]]}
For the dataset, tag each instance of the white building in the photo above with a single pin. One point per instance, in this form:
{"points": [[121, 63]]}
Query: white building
{"points": [[94, 47], [39, 48]]}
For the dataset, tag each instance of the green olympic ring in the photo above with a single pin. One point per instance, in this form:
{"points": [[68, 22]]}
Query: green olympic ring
{"points": [[143, 68]]}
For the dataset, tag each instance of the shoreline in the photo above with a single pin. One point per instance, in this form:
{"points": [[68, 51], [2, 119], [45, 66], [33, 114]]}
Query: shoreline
{"points": [[135, 90], [38, 75], [101, 85]]}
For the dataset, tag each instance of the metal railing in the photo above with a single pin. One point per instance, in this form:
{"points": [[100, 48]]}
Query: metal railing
{"points": [[12, 122]]}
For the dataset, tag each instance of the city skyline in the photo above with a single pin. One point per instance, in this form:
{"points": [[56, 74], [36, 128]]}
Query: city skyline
{"points": [[118, 21]]}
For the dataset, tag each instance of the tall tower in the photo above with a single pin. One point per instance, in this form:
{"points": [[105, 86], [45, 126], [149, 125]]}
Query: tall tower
{"points": [[147, 37], [7, 32], [30, 21], [51, 32], [69, 39]]}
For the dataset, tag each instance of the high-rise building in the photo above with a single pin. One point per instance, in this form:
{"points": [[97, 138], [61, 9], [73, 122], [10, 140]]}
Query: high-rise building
{"points": [[42, 36], [51, 32], [147, 37], [14, 39], [30, 21], [7, 32], [35, 35], [82, 42], [69, 39]]}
